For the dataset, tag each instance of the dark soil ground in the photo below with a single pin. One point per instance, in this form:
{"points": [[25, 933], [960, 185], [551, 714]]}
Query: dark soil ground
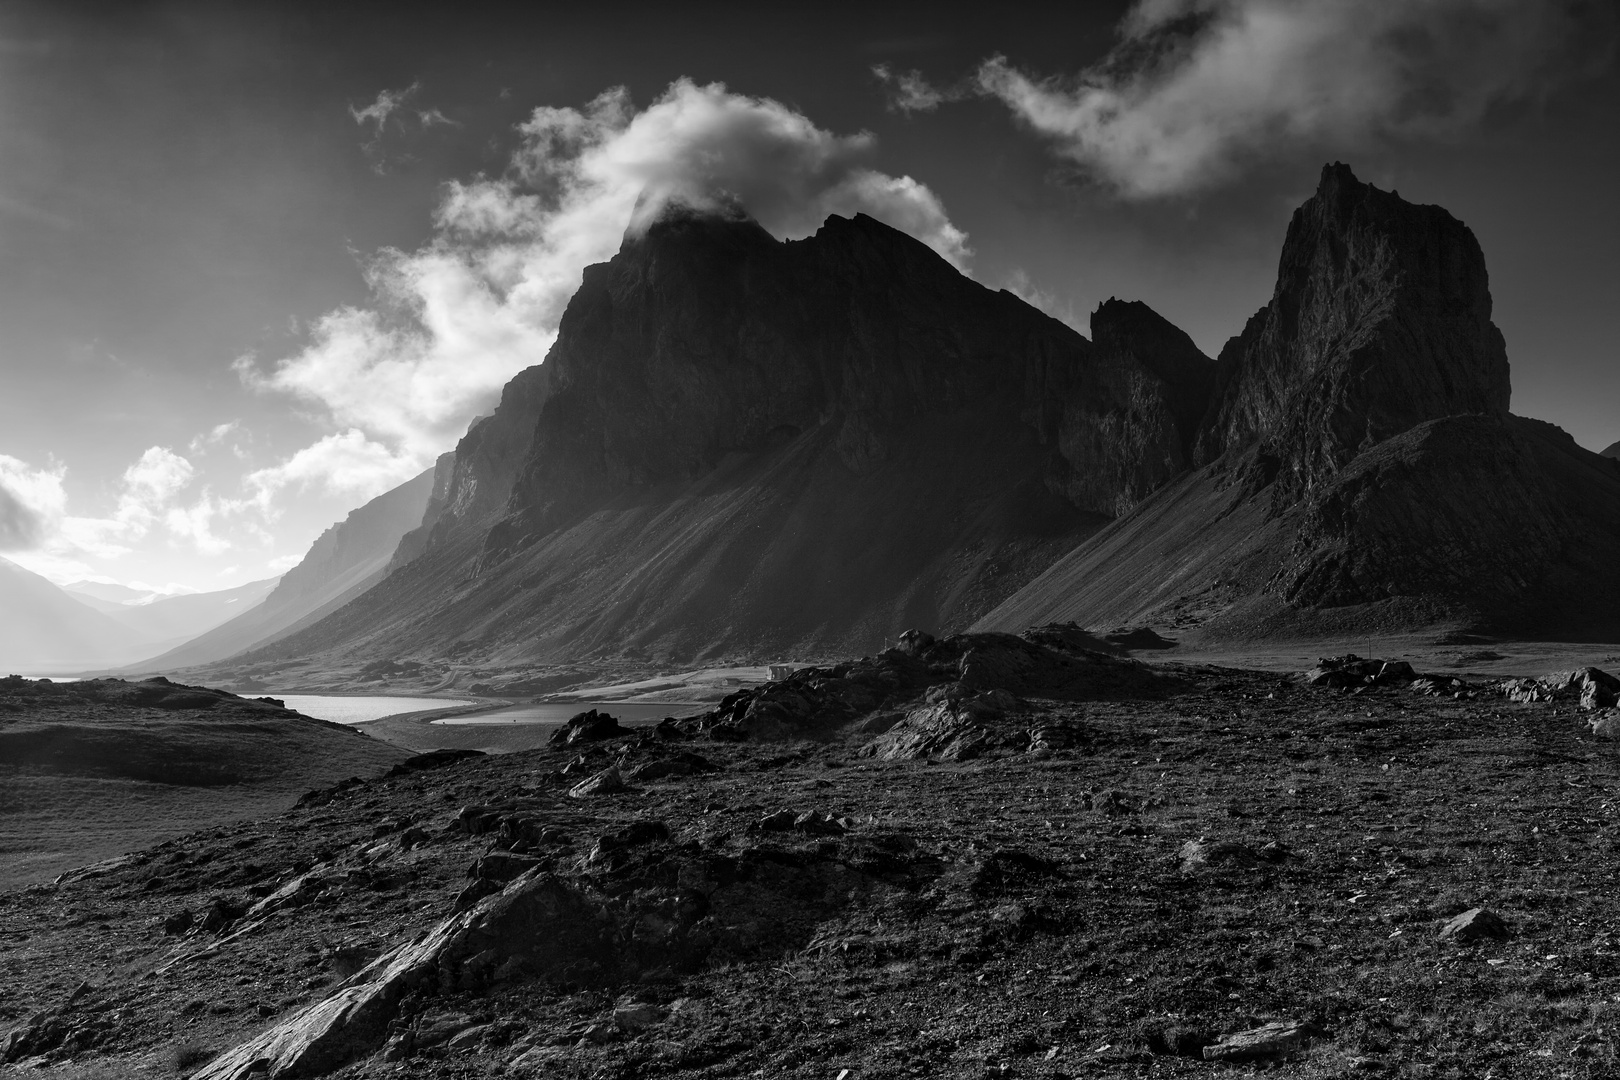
{"points": [[1025, 910]]}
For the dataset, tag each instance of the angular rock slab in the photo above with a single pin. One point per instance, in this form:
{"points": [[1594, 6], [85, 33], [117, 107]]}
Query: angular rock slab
{"points": [[535, 923], [1267, 1041], [1474, 924]]}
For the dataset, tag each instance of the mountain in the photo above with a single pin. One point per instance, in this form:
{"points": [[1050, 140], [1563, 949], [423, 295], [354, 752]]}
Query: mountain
{"points": [[1360, 468], [344, 561], [172, 620], [44, 629], [742, 445], [103, 595], [1613, 451]]}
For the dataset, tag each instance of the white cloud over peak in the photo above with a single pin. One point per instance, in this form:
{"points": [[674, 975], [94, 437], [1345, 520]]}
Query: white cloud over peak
{"points": [[31, 501], [1198, 88], [453, 321], [345, 464]]}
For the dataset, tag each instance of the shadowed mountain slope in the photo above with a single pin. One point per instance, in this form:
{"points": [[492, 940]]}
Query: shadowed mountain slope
{"points": [[740, 445], [1364, 473], [1613, 451], [344, 561]]}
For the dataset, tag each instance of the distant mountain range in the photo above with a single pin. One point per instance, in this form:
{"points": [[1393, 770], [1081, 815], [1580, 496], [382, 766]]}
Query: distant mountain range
{"points": [[50, 629], [1613, 451], [99, 626], [345, 561]]}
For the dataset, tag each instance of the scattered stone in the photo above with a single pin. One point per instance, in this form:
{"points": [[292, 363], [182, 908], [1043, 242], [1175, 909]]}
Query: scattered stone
{"points": [[1195, 854], [1272, 1040], [591, 726], [1348, 671], [220, 914], [607, 782], [809, 822], [1475, 924], [502, 866], [433, 759], [680, 765], [637, 1017]]}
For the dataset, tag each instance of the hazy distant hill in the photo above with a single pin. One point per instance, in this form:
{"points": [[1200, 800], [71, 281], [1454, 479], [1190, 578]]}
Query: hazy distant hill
{"points": [[163, 622], [1613, 451], [103, 595], [43, 629], [344, 561]]}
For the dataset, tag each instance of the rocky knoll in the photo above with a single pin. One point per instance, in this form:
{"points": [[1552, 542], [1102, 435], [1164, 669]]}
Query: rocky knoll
{"points": [[93, 768], [1363, 473], [740, 444]]}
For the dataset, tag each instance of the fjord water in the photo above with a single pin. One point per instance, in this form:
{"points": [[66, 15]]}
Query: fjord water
{"points": [[357, 709], [559, 712]]}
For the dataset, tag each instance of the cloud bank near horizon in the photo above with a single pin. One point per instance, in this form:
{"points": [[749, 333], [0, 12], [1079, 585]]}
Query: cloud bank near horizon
{"points": [[453, 321], [1196, 90]]}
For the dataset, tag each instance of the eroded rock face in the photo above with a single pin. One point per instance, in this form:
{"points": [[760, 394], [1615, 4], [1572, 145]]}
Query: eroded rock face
{"points": [[708, 337], [1381, 320]]}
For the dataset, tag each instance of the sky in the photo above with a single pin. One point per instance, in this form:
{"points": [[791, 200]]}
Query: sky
{"points": [[259, 263]]}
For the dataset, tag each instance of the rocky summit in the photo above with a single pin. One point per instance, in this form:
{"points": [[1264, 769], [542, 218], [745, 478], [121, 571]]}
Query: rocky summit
{"points": [[739, 444], [1360, 470]]}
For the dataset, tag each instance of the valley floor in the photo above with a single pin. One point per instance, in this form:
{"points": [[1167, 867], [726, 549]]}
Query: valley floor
{"points": [[1035, 911]]}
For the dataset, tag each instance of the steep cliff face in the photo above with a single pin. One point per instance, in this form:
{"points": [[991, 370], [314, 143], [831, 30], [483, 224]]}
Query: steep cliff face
{"points": [[1381, 320], [707, 338], [1384, 485], [744, 445]]}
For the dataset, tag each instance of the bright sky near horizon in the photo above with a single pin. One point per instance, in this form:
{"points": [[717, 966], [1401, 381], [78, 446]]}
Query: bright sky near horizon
{"points": [[260, 262]]}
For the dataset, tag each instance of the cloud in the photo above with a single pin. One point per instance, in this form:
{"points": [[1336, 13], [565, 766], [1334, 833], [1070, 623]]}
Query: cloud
{"points": [[1197, 89], [910, 92], [31, 501], [214, 436], [453, 321], [344, 464], [387, 104]]}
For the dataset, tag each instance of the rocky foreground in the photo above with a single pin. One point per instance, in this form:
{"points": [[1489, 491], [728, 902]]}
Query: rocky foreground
{"points": [[984, 856]]}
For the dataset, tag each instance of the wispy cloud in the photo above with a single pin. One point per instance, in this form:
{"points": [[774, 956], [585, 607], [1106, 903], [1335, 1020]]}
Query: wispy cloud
{"points": [[394, 111], [452, 322], [911, 92], [1197, 89]]}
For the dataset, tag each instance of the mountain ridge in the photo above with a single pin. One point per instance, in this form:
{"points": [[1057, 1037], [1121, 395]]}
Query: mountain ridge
{"points": [[744, 445]]}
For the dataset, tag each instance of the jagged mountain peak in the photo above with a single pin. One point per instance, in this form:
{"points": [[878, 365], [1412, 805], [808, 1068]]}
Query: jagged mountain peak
{"points": [[1380, 320]]}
